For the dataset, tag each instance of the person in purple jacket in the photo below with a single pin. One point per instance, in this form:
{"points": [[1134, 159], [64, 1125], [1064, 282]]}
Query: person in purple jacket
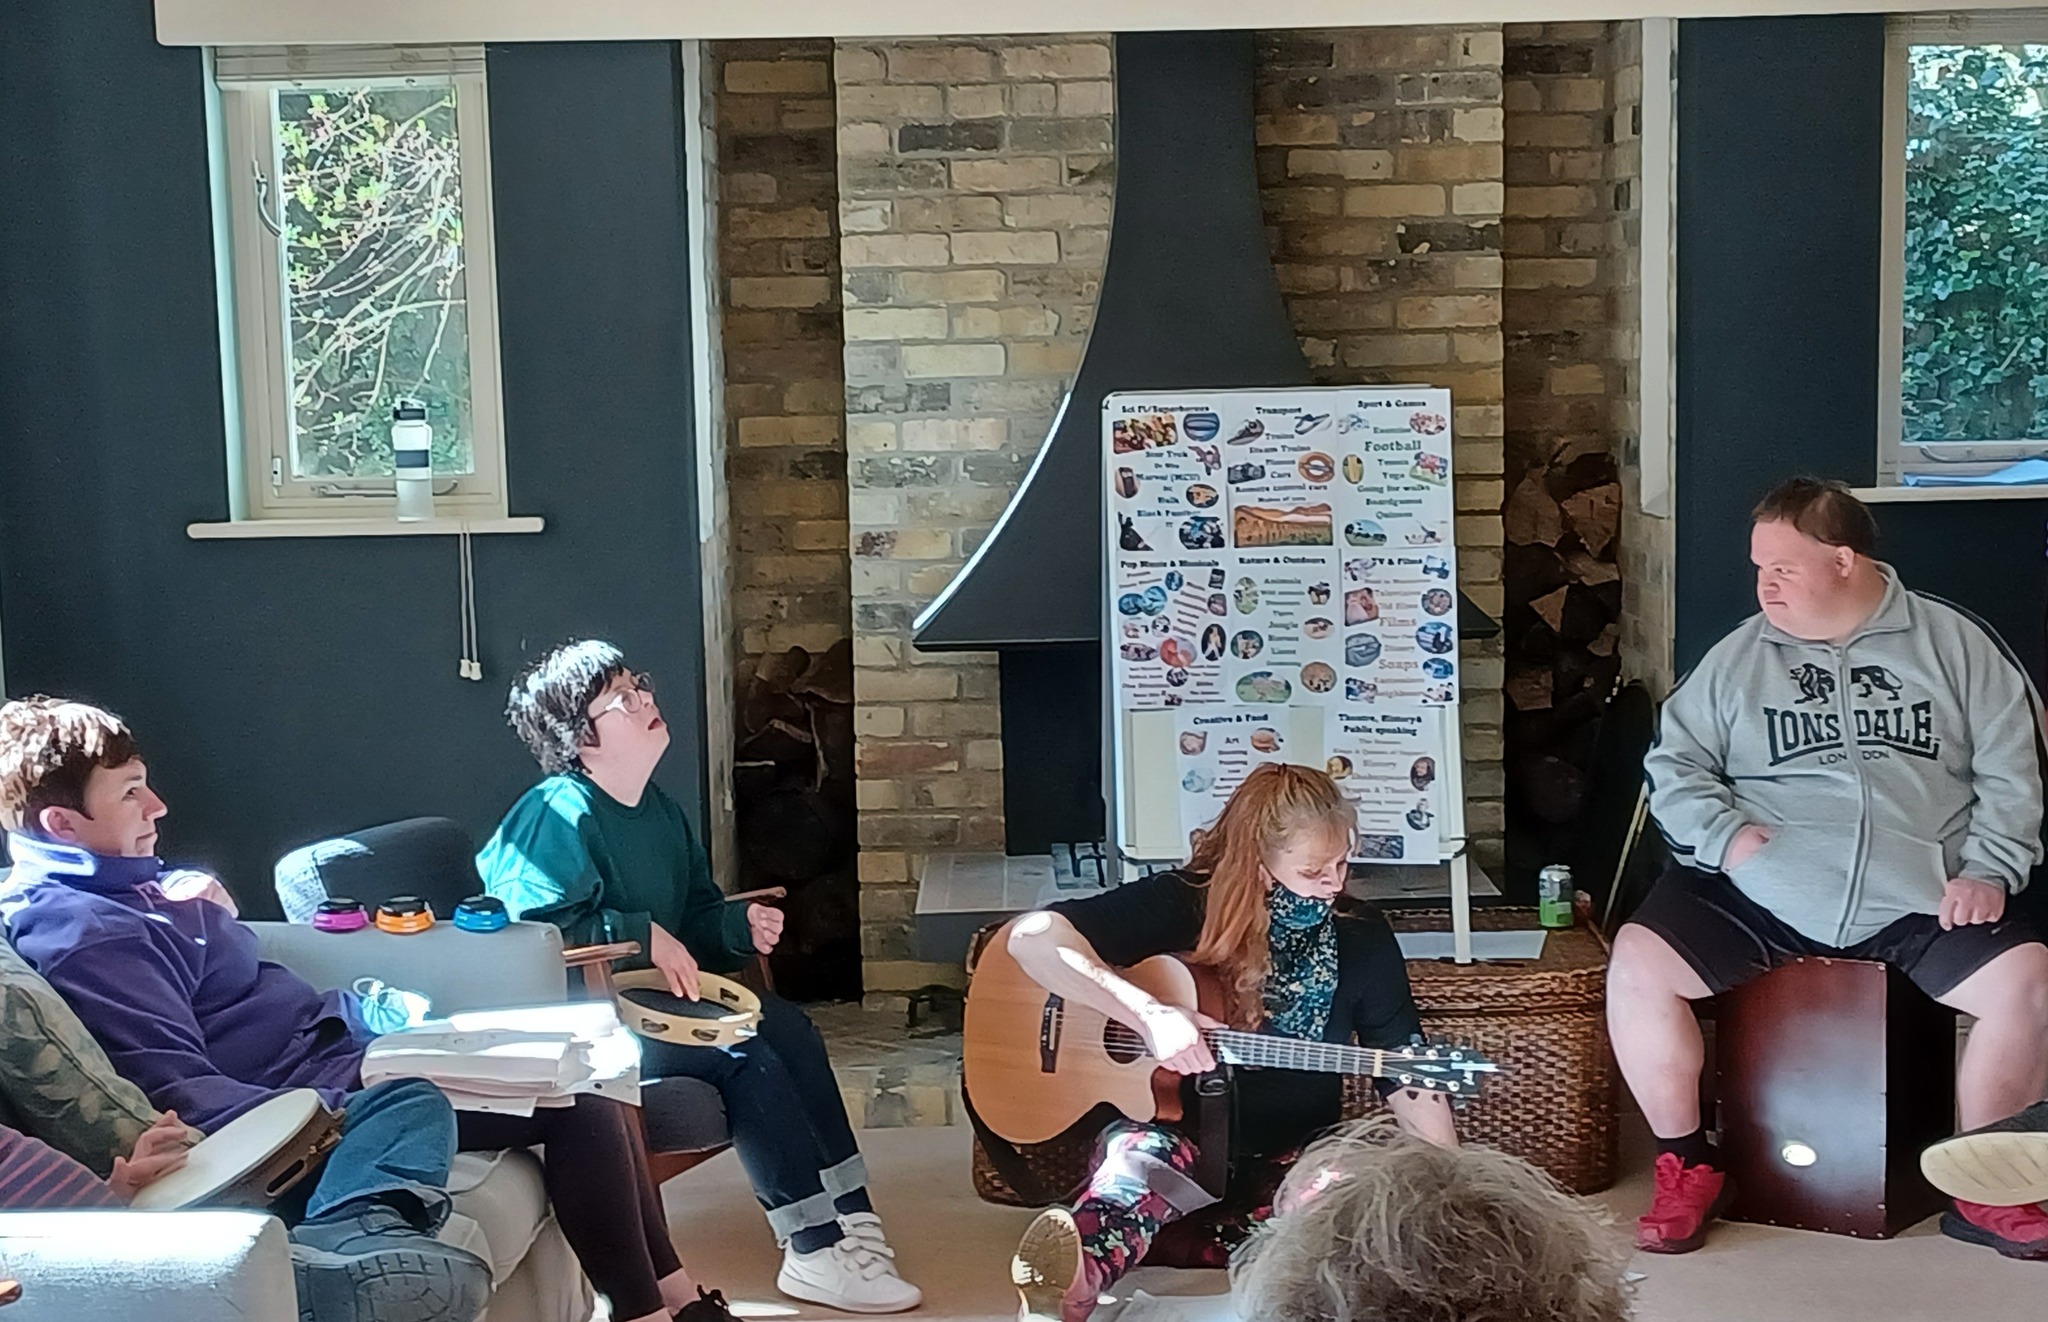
{"points": [[174, 992]]}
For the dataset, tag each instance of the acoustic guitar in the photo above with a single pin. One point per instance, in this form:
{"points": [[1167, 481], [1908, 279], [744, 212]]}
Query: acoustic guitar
{"points": [[1035, 1063]]}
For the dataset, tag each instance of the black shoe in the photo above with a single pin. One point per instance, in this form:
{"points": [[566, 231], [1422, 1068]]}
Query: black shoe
{"points": [[377, 1267], [2003, 1164], [708, 1306]]}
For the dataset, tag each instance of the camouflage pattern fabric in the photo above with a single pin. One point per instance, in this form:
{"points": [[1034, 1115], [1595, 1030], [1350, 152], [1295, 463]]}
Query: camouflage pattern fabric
{"points": [[55, 1079]]}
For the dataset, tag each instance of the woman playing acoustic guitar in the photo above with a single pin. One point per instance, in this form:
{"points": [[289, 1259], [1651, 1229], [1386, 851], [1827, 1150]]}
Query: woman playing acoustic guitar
{"points": [[1255, 906]]}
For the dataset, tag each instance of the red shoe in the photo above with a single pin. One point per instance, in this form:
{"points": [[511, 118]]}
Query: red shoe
{"points": [[1687, 1198], [2016, 1232]]}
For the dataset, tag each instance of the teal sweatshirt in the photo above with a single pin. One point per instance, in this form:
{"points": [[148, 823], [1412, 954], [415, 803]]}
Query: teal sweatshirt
{"points": [[570, 854]]}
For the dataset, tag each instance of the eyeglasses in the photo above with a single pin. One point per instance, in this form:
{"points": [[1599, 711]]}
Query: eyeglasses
{"points": [[632, 700]]}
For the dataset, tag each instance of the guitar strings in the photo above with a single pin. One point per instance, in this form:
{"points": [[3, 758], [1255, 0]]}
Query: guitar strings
{"points": [[1276, 1050]]}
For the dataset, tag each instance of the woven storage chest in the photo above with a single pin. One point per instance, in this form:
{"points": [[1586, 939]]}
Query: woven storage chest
{"points": [[1544, 1022]]}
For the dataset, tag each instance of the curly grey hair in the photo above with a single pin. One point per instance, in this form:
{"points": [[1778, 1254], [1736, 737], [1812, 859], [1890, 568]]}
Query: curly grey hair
{"points": [[1379, 1226], [550, 701]]}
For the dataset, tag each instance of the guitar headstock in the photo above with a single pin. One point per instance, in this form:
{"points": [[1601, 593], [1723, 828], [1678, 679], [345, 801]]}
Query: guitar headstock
{"points": [[1453, 1069]]}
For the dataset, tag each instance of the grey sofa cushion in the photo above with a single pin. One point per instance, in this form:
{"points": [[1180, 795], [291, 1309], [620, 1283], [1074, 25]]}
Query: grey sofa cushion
{"points": [[456, 970], [185, 1267]]}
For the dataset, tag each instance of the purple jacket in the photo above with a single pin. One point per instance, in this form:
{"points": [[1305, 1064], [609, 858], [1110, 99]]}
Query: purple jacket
{"points": [[172, 989]]}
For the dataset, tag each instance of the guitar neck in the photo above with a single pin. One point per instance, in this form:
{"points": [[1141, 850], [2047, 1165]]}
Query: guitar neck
{"points": [[1265, 1051]]}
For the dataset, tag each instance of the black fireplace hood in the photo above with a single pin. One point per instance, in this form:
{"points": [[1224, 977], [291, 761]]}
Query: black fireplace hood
{"points": [[1189, 300]]}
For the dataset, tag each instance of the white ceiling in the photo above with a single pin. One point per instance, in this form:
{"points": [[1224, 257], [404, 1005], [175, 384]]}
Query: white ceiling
{"points": [[312, 22]]}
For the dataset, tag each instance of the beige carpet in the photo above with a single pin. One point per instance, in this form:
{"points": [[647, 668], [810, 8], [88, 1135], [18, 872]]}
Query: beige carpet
{"points": [[957, 1249]]}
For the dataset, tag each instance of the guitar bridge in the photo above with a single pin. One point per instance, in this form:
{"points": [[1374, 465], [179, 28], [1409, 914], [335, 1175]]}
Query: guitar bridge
{"points": [[1050, 1021]]}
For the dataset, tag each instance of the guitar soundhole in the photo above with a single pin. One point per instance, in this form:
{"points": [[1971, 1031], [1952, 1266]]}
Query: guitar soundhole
{"points": [[1120, 1044]]}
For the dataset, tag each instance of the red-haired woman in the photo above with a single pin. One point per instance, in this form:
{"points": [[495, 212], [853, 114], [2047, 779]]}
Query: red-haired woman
{"points": [[1256, 907]]}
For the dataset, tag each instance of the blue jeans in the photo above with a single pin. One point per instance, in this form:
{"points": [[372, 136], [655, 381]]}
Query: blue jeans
{"points": [[397, 1141], [788, 1123]]}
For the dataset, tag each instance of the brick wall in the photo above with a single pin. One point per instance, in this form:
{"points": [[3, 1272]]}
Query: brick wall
{"points": [[1648, 549], [1570, 237], [785, 401], [1380, 162], [975, 189]]}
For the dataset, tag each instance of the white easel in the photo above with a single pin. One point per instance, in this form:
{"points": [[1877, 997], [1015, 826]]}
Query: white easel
{"points": [[1144, 832]]}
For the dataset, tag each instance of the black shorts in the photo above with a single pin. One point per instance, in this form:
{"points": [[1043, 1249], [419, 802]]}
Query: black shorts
{"points": [[1730, 939]]}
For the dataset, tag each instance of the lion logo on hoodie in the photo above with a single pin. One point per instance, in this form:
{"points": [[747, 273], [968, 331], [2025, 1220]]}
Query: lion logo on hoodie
{"points": [[1816, 683]]}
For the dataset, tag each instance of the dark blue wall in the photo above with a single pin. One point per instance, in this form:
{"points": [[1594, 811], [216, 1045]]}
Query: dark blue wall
{"points": [[288, 689], [1780, 175]]}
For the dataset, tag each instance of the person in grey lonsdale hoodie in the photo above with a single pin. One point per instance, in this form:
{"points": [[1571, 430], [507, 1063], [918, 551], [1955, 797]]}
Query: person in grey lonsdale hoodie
{"points": [[1856, 771]]}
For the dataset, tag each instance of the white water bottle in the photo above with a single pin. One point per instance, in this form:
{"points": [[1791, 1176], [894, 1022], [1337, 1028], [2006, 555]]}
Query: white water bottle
{"points": [[412, 456]]}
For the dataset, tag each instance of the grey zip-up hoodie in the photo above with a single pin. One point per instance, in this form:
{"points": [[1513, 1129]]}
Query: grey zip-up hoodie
{"points": [[1882, 768]]}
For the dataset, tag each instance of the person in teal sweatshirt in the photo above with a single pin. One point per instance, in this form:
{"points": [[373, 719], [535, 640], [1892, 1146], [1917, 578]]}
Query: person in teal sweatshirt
{"points": [[601, 851]]}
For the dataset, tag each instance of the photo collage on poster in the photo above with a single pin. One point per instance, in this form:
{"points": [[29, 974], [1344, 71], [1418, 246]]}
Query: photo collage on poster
{"points": [[1290, 549], [1218, 746]]}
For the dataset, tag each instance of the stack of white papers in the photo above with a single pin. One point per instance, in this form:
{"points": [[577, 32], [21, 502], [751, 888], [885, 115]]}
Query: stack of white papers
{"points": [[510, 1061]]}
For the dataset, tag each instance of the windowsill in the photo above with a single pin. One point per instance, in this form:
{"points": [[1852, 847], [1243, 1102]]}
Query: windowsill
{"points": [[238, 530], [1925, 495]]}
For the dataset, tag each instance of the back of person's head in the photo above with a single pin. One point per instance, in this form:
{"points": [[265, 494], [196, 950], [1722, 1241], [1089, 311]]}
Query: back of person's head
{"points": [[549, 705], [1828, 512], [49, 748], [1375, 1225]]}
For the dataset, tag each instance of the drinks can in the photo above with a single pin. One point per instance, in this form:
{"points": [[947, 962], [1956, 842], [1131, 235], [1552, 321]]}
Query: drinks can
{"points": [[1554, 896]]}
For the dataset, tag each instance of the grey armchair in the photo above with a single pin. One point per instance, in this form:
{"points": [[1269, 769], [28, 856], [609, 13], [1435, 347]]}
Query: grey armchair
{"points": [[201, 1266], [435, 859]]}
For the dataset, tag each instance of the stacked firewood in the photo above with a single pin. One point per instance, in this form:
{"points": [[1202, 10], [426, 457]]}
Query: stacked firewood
{"points": [[793, 797], [1561, 522]]}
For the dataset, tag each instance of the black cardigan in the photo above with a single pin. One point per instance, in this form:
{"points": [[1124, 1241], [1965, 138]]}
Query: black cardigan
{"points": [[1275, 1110]]}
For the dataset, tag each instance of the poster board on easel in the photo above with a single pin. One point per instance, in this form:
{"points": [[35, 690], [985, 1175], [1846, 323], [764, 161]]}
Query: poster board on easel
{"points": [[1281, 585]]}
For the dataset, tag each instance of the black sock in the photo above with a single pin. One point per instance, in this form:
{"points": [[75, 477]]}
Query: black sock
{"points": [[1692, 1149]]}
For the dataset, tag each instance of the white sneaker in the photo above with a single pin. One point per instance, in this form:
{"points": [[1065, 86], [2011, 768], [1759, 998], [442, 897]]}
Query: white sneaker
{"points": [[849, 1276]]}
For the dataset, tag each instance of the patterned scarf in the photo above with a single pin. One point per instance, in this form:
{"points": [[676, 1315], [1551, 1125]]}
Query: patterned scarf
{"points": [[1303, 984]]}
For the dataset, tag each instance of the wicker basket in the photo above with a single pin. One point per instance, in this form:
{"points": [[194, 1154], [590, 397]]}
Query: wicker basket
{"points": [[1062, 1164], [1554, 1102], [1545, 1023]]}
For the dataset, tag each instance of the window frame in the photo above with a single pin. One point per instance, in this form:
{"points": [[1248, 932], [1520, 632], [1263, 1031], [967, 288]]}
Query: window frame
{"points": [[246, 81], [1895, 459]]}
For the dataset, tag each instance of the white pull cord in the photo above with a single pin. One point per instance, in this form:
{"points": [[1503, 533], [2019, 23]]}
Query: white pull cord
{"points": [[469, 667]]}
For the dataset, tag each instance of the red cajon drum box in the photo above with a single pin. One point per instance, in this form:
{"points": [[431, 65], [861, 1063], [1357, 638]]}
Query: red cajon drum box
{"points": [[1831, 1076]]}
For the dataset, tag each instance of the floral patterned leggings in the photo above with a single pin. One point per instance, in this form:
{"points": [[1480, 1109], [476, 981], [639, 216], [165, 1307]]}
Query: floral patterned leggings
{"points": [[1143, 1179]]}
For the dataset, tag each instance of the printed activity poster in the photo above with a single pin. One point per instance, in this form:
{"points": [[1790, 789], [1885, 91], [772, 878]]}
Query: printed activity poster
{"points": [[1385, 760], [1281, 549]]}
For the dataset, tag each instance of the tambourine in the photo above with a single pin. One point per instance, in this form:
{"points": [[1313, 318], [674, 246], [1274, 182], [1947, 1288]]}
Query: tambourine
{"points": [[251, 1161], [724, 1015]]}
